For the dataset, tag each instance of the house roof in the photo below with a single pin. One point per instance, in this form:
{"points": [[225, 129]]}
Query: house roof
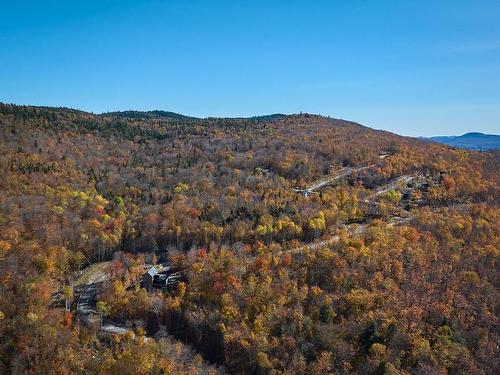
{"points": [[152, 271]]}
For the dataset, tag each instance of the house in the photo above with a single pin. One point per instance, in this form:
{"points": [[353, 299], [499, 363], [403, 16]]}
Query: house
{"points": [[148, 278], [160, 280], [166, 277]]}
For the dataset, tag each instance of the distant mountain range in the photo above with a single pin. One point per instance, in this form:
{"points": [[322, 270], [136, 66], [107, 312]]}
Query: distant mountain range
{"points": [[471, 141]]}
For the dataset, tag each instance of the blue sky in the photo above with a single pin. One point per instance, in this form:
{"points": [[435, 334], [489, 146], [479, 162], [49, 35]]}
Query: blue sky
{"points": [[412, 67]]}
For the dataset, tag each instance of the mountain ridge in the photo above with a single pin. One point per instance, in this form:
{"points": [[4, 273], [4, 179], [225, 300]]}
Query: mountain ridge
{"points": [[471, 140]]}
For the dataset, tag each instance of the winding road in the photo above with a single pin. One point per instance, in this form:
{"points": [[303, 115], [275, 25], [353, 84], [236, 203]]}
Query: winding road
{"points": [[344, 172], [86, 304], [353, 230]]}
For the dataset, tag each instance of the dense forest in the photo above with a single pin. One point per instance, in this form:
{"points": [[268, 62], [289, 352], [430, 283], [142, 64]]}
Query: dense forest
{"points": [[387, 265]]}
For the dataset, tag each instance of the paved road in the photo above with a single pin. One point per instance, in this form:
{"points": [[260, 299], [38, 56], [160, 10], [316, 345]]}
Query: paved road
{"points": [[344, 172], [386, 188], [357, 229], [85, 307], [353, 230], [393, 184], [116, 329]]}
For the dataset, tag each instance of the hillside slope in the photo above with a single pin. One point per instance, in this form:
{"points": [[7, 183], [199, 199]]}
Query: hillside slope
{"points": [[273, 279]]}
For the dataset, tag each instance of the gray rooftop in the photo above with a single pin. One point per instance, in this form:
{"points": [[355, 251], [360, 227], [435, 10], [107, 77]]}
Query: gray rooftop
{"points": [[152, 271]]}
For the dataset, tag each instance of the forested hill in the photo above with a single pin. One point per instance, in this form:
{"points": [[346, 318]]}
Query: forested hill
{"points": [[306, 245], [147, 115]]}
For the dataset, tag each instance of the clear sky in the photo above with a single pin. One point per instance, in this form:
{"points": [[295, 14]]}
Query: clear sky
{"points": [[426, 67]]}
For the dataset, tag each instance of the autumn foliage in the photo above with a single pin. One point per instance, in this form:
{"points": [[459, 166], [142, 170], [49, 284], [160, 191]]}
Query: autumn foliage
{"points": [[216, 198]]}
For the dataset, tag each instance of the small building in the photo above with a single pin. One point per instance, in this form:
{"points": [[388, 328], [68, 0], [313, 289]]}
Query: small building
{"points": [[148, 278], [167, 279], [164, 277], [160, 280]]}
